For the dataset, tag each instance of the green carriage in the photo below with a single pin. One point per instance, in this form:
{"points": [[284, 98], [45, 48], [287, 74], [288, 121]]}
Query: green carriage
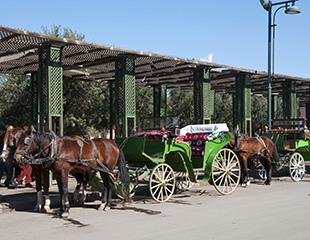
{"points": [[292, 139], [168, 164]]}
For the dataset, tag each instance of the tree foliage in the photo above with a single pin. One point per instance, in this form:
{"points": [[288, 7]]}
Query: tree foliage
{"points": [[181, 104], [15, 100]]}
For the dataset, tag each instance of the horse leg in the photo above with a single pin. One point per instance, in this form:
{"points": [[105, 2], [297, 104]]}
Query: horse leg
{"points": [[46, 185], [245, 171], [77, 188], [38, 178], [65, 198], [84, 185], [106, 192], [78, 198], [268, 167]]}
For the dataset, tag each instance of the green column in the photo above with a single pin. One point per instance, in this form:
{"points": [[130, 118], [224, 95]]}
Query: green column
{"points": [[125, 93], [242, 103], [289, 100], [159, 105], [156, 105], [50, 89], [203, 96], [35, 100], [112, 108], [274, 107], [308, 114]]}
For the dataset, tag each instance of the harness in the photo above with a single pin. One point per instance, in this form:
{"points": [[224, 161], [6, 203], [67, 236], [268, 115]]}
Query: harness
{"points": [[52, 146], [237, 148]]}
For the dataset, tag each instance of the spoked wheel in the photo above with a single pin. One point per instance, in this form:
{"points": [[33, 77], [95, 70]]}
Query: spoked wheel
{"points": [[297, 167], [262, 173], [162, 182], [183, 182], [226, 171]]}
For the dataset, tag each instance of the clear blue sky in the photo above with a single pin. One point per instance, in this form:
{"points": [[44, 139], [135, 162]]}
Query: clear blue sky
{"points": [[235, 32]]}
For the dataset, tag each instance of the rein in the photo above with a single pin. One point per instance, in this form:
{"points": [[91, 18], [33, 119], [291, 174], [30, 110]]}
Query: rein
{"points": [[35, 160]]}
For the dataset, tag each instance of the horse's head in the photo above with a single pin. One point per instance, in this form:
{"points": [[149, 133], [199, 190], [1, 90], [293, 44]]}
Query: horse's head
{"points": [[9, 140], [26, 144]]}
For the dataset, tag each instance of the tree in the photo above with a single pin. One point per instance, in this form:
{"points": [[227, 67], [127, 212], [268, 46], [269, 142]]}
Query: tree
{"points": [[180, 103], [15, 100], [223, 112]]}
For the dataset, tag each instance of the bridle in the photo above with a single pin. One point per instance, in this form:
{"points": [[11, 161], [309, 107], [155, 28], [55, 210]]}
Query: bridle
{"points": [[28, 141]]}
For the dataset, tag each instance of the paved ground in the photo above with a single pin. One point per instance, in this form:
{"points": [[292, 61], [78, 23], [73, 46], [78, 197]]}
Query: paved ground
{"points": [[280, 211]]}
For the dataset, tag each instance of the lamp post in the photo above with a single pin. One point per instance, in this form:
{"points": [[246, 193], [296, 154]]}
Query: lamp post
{"points": [[268, 5]]}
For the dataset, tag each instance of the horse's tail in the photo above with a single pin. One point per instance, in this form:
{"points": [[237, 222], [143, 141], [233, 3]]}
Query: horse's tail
{"points": [[124, 175], [276, 158], [123, 172]]}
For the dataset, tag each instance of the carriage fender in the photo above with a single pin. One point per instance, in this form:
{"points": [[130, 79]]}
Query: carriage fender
{"points": [[211, 149], [181, 151]]}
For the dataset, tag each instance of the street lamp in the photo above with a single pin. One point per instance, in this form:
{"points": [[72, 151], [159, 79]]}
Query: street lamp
{"points": [[290, 8]]}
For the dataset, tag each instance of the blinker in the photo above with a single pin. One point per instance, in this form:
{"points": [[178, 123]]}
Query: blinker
{"points": [[27, 141]]}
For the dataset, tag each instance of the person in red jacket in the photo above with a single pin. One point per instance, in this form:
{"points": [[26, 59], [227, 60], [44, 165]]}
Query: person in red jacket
{"points": [[25, 175]]}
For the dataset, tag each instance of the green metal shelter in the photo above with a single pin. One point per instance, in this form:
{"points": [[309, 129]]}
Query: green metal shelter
{"points": [[51, 60]]}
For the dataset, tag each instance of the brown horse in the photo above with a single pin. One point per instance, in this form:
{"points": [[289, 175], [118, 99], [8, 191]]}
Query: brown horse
{"points": [[40, 172], [67, 154], [250, 148]]}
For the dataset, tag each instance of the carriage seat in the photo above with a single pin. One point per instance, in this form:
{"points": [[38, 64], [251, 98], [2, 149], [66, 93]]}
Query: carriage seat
{"points": [[289, 145]]}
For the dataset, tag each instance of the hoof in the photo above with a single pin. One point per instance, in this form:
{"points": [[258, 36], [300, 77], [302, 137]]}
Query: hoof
{"points": [[102, 207], [247, 183], [112, 205], [37, 208], [65, 214], [267, 183], [47, 210]]}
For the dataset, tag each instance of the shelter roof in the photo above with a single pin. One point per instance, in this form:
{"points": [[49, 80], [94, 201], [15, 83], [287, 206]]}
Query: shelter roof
{"points": [[93, 62]]}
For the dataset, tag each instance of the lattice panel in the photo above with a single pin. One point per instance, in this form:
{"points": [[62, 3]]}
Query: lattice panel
{"points": [[44, 83], [130, 95], [34, 97], [208, 100], [55, 75], [55, 55]]}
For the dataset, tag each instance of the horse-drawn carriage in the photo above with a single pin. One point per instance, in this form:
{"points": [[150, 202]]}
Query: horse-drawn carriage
{"points": [[166, 163], [293, 143]]}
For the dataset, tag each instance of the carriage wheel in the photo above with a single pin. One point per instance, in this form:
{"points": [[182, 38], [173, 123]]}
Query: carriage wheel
{"points": [[162, 182], [183, 182], [297, 167], [226, 171], [261, 171]]}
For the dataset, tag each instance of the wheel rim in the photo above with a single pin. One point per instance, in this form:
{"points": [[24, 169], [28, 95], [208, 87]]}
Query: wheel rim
{"points": [[262, 173], [297, 167], [162, 183], [226, 171], [183, 182]]}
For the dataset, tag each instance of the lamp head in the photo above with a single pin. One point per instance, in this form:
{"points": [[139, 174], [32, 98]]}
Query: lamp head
{"points": [[266, 4], [292, 10]]}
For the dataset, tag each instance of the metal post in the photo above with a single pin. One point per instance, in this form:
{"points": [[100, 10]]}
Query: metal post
{"points": [[203, 96], [289, 100], [242, 104], [125, 93], [269, 66], [271, 48], [308, 114], [35, 100], [50, 93], [112, 108], [156, 105], [274, 107]]}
